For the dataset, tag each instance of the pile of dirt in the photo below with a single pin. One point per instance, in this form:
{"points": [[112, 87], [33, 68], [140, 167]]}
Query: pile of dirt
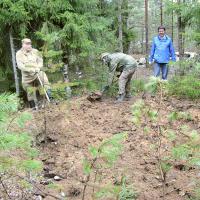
{"points": [[64, 132]]}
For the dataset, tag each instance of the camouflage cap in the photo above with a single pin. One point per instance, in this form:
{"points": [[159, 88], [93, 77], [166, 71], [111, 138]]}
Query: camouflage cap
{"points": [[104, 55], [26, 41]]}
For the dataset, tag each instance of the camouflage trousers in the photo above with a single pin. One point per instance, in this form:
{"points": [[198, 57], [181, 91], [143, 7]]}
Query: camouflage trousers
{"points": [[125, 81], [33, 87]]}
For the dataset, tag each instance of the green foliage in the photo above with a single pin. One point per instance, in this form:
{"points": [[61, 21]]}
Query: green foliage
{"points": [[17, 156], [173, 116], [185, 66], [86, 166], [8, 102], [190, 150], [108, 151], [181, 152], [185, 148], [137, 86], [140, 111], [155, 85], [109, 191], [185, 116], [171, 135], [152, 114], [152, 85], [185, 87], [122, 192], [137, 111], [146, 130], [197, 194], [14, 14], [189, 12], [25, 184], [127, 192], [11, 141], [104, 156], [25, 116], [31, 165], [59, 89], [195, 161], [111, 148], [184, 129], [90, 85], [165, 167], [54, 186], [70, 32]]}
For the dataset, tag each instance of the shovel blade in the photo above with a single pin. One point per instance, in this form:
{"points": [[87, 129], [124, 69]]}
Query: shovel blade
{"points": [[94, 96]]}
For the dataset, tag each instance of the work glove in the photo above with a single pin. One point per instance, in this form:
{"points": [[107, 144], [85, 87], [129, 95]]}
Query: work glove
{"points": [[105, 88], [151, 62]]}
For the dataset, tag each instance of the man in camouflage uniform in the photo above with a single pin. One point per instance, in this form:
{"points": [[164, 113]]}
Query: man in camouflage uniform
{"points": [[30, 62], [126, 65]]}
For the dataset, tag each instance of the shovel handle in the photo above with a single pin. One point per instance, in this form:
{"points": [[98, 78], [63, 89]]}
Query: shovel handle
{"points": [[43, 88]]}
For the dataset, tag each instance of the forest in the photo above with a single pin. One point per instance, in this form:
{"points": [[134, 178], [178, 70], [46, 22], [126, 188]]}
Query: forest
{"points": [[77, 142]]}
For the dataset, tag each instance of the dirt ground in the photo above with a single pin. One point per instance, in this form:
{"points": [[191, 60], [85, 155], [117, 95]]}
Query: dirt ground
{"points": [[65, 131]]}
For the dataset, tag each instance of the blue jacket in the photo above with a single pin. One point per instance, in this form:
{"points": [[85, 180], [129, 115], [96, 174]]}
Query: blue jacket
{"points": [[162, 50]]}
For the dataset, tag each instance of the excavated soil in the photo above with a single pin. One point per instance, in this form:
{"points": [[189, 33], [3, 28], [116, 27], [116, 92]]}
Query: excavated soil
{"points": [[64, 132]]}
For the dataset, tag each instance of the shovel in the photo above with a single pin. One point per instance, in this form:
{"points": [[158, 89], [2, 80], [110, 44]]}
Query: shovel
{"points": [[43, 88], [97, 95], [94, 96]]}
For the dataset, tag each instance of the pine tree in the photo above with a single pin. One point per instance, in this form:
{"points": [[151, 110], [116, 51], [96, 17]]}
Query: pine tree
{"points": [[18, 161]]}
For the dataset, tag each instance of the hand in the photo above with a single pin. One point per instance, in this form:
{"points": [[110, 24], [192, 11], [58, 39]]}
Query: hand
{"points": [[37, 70], [151, 62]]}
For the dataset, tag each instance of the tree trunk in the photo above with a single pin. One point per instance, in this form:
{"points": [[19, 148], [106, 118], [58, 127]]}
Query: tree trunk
{"points": [[161, 12], [66, 80], [142, 43], [130, 48], [120, 24], [126, 26], [181, 29], [147, 32], [172, 23], [12, 47]]}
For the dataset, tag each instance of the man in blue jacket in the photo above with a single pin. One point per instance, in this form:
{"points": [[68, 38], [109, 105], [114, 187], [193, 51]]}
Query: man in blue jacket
{"points": [[162, 51]]}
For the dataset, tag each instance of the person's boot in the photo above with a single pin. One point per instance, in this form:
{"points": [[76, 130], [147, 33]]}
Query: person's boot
{"points": [[33, 105], [120, 98], [128, 96]]}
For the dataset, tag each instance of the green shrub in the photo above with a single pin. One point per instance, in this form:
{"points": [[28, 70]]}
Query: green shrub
{"points": [[185, 87], [137, 86], [103, 157], [17, 156]]}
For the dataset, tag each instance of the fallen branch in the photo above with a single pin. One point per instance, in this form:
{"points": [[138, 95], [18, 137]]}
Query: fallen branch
{"points": [[5, 189]]}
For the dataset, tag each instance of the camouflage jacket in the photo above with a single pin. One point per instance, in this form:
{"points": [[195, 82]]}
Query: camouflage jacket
{"points": [[119, 62], [28, 62]]}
